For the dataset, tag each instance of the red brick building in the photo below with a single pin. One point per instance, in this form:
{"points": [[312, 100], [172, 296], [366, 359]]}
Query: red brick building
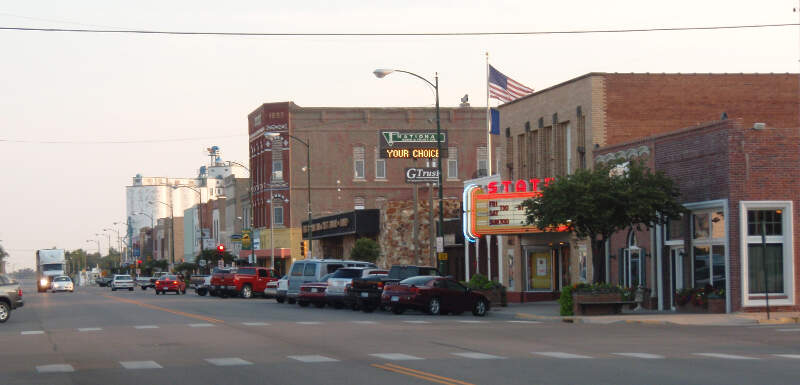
{"points": [[557, 130], [734, 178]]}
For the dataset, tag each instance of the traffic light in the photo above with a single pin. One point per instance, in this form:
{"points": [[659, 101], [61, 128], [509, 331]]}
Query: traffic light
{"points": [[138, 262], [302, 248], [220, 249]]}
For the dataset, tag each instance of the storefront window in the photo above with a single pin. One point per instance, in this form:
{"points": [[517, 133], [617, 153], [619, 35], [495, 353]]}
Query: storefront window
{"points": [[700, 228], [675, 229], [773, 263]]}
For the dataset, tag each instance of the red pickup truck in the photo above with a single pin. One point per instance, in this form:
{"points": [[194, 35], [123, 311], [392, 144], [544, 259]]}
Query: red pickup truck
{"points": [[243, 281]]}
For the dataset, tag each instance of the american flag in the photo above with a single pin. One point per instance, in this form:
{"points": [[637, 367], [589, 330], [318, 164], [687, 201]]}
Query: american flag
{"points": [[502, 87]]}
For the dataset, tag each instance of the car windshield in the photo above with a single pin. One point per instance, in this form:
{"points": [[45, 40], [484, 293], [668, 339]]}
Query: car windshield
{"points": [[325, 277], [61, 279], [123, 278], [53, 267], [169, 278], [417, 281], [347, 273]]}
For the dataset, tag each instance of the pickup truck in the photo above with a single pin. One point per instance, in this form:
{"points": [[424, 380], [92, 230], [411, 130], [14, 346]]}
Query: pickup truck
{"points": [[145, 282], [200, 283], [365, 293], [10, 297], [243, 281]]}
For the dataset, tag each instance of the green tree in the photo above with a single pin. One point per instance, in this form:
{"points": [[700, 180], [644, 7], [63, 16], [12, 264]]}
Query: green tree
{"points": [[212, 257], [366, 250], [597, 203], [3, 254]]}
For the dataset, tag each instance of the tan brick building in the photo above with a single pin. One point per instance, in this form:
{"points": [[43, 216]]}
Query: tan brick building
{"points": [[556, 130], [347, 172]]}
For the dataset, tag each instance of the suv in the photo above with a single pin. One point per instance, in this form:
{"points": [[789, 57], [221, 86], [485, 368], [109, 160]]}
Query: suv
{"points": [[312, 270], [121, 281], [10, 297]]}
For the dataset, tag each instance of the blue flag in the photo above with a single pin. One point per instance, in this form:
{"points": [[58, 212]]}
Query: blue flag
{"points": [[495, 126]]}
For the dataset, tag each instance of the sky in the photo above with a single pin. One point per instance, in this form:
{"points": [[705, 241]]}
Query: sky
{"points": [[171, 97]]}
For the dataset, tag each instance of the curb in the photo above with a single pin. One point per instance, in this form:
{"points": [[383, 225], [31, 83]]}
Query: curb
{"points": [[547, 318], [648, 322], [779, 321]]}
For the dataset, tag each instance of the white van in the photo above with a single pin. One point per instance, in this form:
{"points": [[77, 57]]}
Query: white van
{"points": [[312, 270]]}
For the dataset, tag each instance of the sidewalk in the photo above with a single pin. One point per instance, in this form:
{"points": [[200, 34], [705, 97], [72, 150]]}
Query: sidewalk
{"points": [[549, 311]]}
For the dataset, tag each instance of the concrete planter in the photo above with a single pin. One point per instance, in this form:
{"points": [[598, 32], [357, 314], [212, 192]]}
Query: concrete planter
{"points": [[690, 307], [603, 303], [716, 305], [496, 297]]}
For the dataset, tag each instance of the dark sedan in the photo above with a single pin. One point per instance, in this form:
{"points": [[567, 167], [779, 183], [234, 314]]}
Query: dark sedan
{"points": [[433, 295]]}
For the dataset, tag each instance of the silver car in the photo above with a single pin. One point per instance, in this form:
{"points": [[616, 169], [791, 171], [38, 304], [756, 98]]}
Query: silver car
{"points": [[339, 282], [62, 283], [121, 281]]}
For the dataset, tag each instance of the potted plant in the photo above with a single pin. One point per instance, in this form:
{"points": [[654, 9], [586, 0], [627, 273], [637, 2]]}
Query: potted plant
{"points": [[494, 291], [692, 300], [716, 301]]}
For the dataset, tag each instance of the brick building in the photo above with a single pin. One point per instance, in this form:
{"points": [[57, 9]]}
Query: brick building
{"points": [[557, 130], [347, 173], [733, 178]]}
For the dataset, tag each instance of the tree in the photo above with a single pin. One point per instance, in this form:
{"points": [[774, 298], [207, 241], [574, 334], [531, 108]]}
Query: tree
{"points": [[212, 257], [3, 254], [599, 202], [366, 250]]}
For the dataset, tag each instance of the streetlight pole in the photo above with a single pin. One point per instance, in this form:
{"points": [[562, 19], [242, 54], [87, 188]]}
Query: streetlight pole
{"points": [[308, 173], [171, 232], [250, 224], [380, 73]]}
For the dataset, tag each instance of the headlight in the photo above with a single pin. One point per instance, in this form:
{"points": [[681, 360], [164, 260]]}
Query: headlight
{"points": [[43, 282]]}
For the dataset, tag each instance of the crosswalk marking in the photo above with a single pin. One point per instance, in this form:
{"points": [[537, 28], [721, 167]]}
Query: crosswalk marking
{"points": [[89, 329], [203, 325], [395, 356], [789, 330], [646, 356], [417, 322], [525, 322], [364, 322], [140, 365], [312, 358], [228, 361], [55, 368], [255, 324], [561, 355], [793, 356], [309, 323], [478, 356], [725, 356], [31, 332], [470, 321], [145, 327]]}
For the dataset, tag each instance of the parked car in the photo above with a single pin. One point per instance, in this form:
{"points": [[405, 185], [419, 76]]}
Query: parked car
{"points": [[201, 288], [245, 281], [121, 281], [170, 283], [312, 270], [339, 284], [103, 281], [62, 283], [365, 293], [277, 289], [217, 281], [158, 276], [145, 282], [10, 297], [313, 292], [433, 295]]}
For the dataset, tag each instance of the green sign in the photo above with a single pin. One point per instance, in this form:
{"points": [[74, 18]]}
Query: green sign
{"points": [[247, 242]]}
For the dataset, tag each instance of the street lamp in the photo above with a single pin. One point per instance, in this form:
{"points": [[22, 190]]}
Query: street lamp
{"points": [[250, 225], [380, 73], [308, 170], [172, 232]]}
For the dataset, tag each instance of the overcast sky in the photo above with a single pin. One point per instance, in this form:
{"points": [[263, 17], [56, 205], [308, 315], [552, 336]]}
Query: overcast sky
{"points": [[86, 88]]}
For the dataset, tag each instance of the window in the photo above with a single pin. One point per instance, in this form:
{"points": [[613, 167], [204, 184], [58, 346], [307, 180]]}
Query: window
{"points": [[380, 166], [452, 163], [310, 269], [708, 247], [358, 203], [483, 162], [297, 269], [358, 162], [277, 213], [277, 170], [674, 229], [768, 258]]}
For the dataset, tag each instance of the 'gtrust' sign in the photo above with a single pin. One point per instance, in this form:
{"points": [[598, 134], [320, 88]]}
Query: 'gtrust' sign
{"points": [[520, 185]]}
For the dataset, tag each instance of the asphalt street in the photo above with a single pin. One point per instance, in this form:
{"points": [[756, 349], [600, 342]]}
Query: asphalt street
{"points": [[95, 336]]}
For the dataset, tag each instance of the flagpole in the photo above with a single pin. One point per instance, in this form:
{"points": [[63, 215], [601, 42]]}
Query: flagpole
{"points": [[488, 120]]}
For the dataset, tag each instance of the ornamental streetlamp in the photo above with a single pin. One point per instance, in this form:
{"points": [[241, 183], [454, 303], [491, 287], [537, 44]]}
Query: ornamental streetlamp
{"points": [[380, 73], [306, 143]]}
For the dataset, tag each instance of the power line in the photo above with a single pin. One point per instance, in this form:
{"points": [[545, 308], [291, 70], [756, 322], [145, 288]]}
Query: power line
{"points": [[121, 141], [392, 34]]}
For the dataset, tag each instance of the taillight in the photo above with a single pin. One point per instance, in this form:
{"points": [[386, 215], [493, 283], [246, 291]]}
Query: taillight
{"points": [[380, 285], [174, 282], [19, 293]]}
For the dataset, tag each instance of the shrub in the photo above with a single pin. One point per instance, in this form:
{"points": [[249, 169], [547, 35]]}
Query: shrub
{"points": [[365, 249]]}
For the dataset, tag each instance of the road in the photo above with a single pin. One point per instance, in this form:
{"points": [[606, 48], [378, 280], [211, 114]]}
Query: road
{"points": [[95, 336]]}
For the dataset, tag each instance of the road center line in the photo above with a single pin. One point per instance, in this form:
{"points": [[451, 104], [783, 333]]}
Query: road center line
{"points": [[154, 307], [420, 374]]}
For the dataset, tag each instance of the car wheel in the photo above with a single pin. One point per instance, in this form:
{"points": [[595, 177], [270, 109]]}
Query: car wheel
{"points": [[113, 289], [280, 299], [291, 301], [367, 308], [201, 292], [157, 293], [247, 292], [5, 312], [354, 307], [434, 306], [183, 292], [480, 309], [397, 309], [144, 287], [302, 303]]}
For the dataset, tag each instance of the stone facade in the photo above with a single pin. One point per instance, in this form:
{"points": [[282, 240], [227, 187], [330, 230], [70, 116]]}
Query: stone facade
{"points": [[397, 237]]}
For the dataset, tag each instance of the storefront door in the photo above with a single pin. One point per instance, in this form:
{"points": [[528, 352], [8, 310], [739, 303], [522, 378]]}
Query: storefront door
{"points": [[539, 269]]}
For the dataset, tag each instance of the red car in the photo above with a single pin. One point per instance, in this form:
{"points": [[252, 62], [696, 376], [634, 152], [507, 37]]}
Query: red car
{"points": [[433, 295], [313, 292], [170, 283]]}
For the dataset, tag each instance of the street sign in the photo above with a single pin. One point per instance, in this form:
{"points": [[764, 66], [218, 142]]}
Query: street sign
{"points": [[439, 244], [442, 256], [202, 262], [138, 271]]}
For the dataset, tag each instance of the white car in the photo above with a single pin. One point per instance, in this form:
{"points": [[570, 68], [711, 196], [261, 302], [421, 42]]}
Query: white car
{"points": [[121, 281], [277, 289], [62, 283]]}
